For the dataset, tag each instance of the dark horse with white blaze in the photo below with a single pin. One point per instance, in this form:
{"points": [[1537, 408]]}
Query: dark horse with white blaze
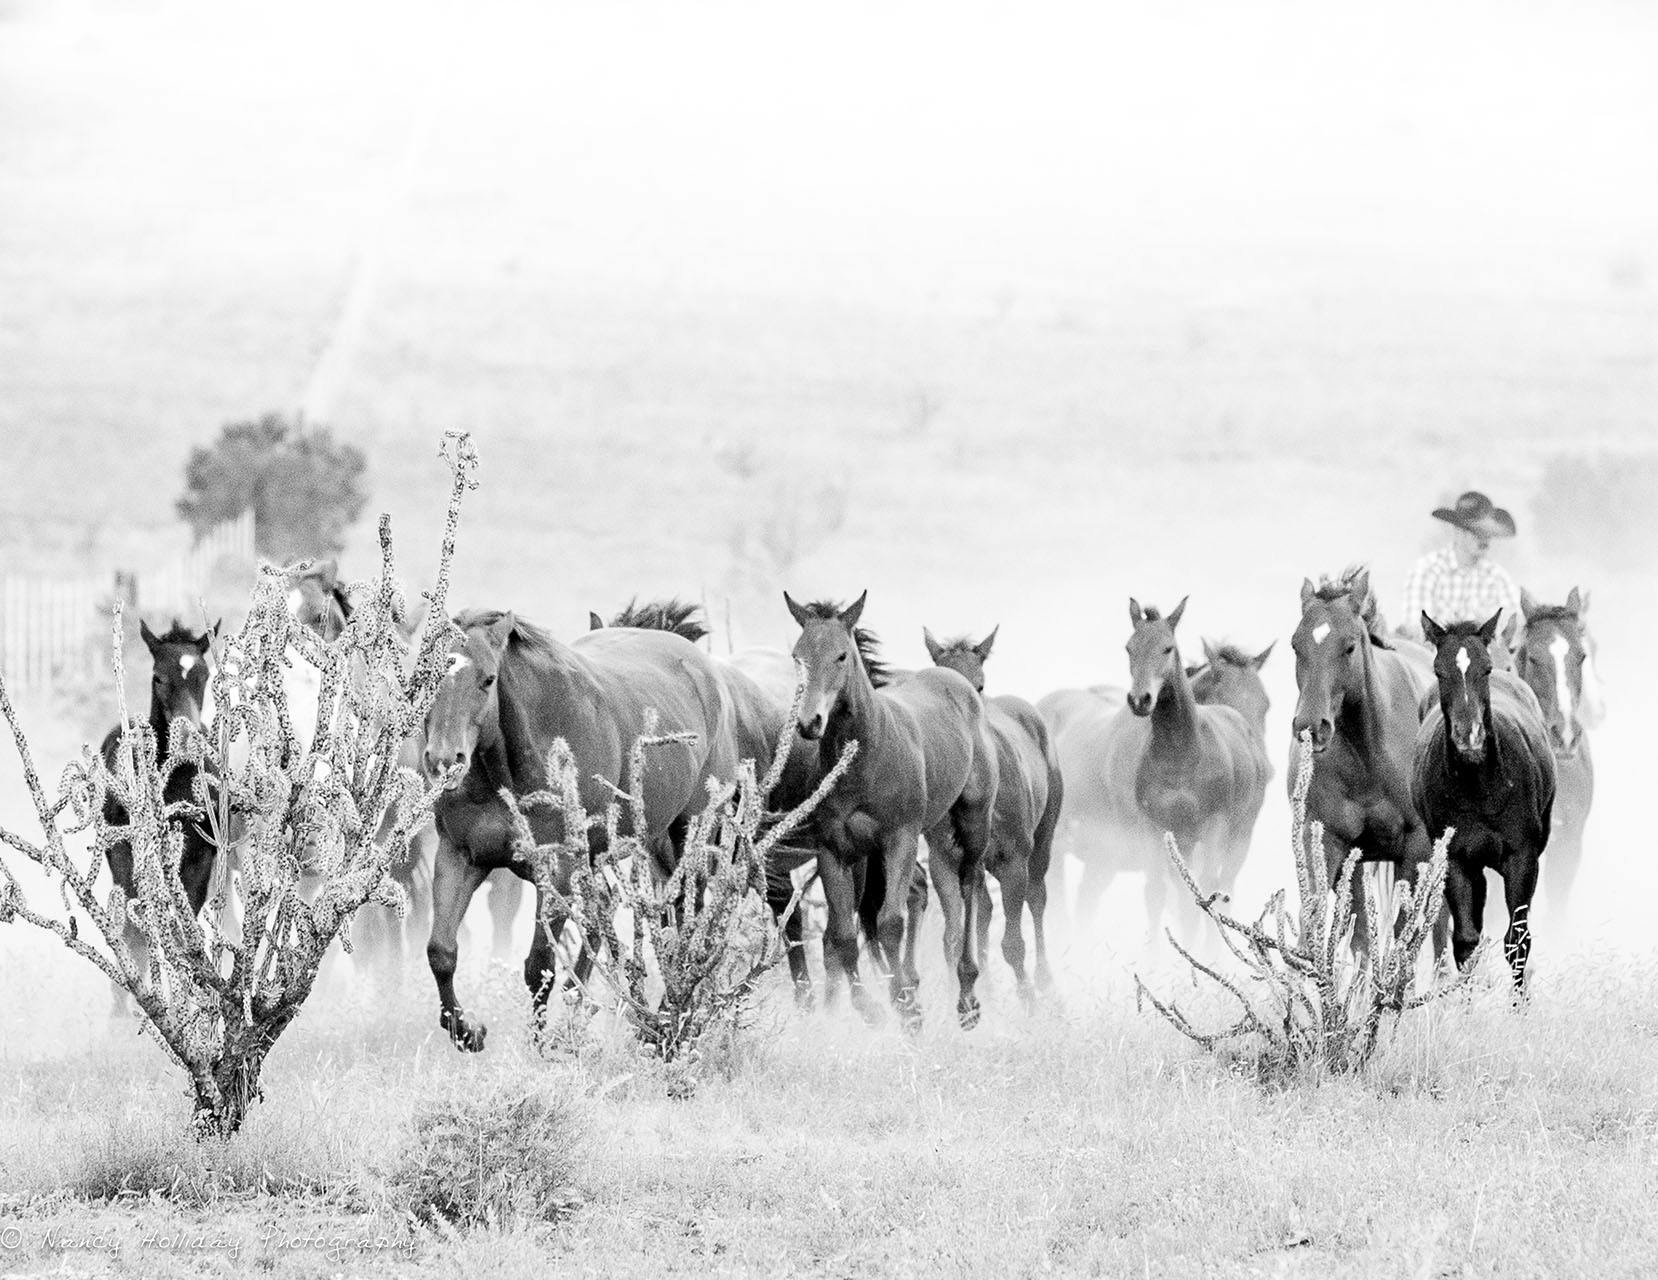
{"points": [[1029, 794], [1552, 657], [925, 766], [1357, 699], [510, 691], [178, 689], [1483, 767]]}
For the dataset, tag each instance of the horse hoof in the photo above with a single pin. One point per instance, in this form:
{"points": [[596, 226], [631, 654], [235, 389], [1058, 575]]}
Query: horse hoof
{"points": [[968, 1013], [462, 1034], [805, 998]]}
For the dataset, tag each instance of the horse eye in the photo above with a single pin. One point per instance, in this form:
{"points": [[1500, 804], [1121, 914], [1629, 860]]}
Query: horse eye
{"points": [[486, 682], [840, 657]]}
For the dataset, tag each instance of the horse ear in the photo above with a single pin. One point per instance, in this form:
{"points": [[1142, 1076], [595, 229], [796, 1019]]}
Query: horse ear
{"points": [[1260, 659], [795, 611], [855, 610], [1488, 628], [150, 638], [1174, 617], [328, 571], [1574, 601], [983, 646], [1528, 603], [1308, 591], [594, 622], [1432, 630], [934, 649], [1511, 629], [1211, 655], [1359, 584], [1136, 614], [1582, 602], [206, 642], [500, 631]]}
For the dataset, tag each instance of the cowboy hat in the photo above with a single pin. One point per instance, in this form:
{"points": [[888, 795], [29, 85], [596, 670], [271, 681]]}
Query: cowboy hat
{"points": [[1475, 513]]}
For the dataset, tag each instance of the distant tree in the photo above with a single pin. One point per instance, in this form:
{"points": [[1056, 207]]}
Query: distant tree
{"points": [[305, 489]]}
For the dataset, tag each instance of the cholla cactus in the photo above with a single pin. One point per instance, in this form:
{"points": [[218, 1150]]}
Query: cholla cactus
{"points": [[218, 1004], [707, 924], [1301, 994]]}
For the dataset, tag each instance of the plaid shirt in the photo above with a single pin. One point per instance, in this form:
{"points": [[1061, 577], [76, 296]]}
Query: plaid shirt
{"points": [[1447, 593]]}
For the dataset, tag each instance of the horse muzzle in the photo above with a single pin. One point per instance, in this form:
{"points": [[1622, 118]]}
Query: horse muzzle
{"points": [[436, 764], [812, 729], [1140, 703]]}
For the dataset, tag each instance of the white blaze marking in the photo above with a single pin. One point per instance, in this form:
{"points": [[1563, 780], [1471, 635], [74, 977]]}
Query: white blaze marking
{"points": [[458, 661], [1463, 661], [1559, 648], [1320, 632], [186, 661]]}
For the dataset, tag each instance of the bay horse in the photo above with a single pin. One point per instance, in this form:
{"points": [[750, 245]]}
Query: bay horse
{"points": [[1552, 657], [178, 690], [511, 689], [1357, 698], [925, 766], [1483, 766], [1029, 794], [1101, 742]]}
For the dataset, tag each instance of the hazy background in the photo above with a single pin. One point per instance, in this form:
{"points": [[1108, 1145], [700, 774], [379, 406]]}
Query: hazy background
{"points": [[1004, 315]]}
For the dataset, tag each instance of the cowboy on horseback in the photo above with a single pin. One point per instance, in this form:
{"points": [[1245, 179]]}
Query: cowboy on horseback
{"points": [[1460, 582]]}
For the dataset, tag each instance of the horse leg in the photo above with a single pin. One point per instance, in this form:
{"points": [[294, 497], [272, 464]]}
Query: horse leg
{"points": [[970, 821], [1036, 879], [1465, 897], [898, 855], [779, 894], [915, 909], [454, 880], [840, 934], [1014, 881], [1519, 872], [506, 895]]}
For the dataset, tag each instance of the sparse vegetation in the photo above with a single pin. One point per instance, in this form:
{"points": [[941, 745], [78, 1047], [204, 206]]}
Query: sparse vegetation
{"points": [[707, 927], [217, 1005], [1307, 1007], [499, 1152]]}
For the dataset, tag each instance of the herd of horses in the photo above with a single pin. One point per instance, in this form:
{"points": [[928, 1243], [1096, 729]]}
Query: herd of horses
{"points": [[1475, 731]]}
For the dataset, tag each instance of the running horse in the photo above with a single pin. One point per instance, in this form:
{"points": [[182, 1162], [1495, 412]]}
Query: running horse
{"points": [[1357, 699], [1483, 767], [178, 689], [510, 691], [925, 766], [1552, 657], [1029, 794]]}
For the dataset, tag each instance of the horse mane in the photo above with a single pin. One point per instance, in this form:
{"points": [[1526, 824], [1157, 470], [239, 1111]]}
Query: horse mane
{"points": [[1151, 613], [681, 617], [525, 639], [1552, 613], [1233, 656], [869, 644], [1370, 613], [178, 633], [958, 644]]}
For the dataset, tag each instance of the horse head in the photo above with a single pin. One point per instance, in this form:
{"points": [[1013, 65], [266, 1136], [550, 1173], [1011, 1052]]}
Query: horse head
{"points": [[318, 599], [828, 650], [1232, 678], [178, 687], [1462, 665], [1153, 657], [465, 716], [1330, 644], [961, 655], [1553, 658]]}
